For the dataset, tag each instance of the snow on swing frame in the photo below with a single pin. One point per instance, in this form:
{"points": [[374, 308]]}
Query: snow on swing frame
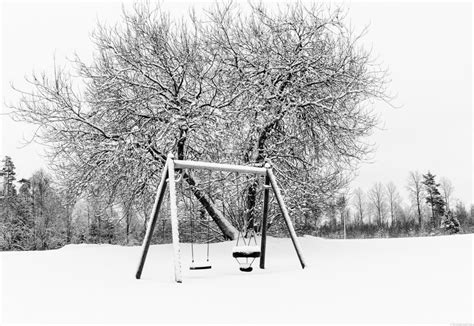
{"points": [[168, 175]]}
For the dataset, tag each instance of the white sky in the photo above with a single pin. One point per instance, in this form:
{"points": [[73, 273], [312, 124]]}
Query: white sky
{"points": [[426, 46]]}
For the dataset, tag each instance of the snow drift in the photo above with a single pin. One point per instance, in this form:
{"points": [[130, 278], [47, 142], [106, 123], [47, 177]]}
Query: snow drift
{"points": [[411, 280]]}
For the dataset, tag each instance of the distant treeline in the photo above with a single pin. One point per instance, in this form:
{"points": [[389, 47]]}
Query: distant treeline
{"points": [[42, 215]]}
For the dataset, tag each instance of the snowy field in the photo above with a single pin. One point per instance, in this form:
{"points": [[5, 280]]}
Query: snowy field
{"points": [[413, 280]]}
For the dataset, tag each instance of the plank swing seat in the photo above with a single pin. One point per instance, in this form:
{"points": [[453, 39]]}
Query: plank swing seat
{"points": [[201, 265]]}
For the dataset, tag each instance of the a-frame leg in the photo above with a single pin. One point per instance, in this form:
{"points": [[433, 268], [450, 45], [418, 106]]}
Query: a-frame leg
{"points": [[160, 193], [174, 220], [263, 242], [286, 216]]}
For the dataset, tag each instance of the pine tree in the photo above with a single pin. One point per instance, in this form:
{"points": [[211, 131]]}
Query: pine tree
{"points": [[451, 224], [434, 197], [8, 174]]}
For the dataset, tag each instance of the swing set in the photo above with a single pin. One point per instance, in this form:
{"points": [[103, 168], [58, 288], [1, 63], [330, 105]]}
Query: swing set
{"points": [[246, 249]]}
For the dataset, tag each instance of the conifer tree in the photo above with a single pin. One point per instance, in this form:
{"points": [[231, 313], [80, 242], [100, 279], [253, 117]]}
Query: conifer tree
{"points": [[8, 176], [434, 197]]}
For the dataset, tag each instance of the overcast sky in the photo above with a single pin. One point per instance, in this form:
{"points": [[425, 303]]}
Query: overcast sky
{"points": [[426, 46]]}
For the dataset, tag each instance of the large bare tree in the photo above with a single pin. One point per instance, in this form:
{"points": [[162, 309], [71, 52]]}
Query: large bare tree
{"points": [[291, 86]]}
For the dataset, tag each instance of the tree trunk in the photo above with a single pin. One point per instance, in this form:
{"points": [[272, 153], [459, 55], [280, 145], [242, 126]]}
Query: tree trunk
{"points": [[252, 189], [127, 206], [145, 222], [228, 230], [127, 231], [433, 217], [419, 209], [88, 223], [251, 202], [344, 222], [68, 225], [99, 230]]}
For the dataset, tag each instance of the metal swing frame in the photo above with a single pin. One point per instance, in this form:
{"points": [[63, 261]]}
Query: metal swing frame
{"points": [[168, 174]]}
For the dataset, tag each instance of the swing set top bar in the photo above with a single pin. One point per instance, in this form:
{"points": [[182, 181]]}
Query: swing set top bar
{"points": [[184, 164]]}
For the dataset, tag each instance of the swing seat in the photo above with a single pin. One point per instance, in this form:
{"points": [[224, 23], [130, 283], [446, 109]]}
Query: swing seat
{"points": [[201, 265], [246, 252]]}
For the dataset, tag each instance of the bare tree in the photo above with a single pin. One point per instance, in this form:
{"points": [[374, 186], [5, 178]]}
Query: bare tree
{"points": [[416, 192], [290, 86], [393, 200], [447, 189], [377, 198], [304, 81], [359, 204]]}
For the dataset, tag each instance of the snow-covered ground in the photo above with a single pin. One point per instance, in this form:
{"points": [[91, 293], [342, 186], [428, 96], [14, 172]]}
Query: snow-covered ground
{"points": [[413, 280]]}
